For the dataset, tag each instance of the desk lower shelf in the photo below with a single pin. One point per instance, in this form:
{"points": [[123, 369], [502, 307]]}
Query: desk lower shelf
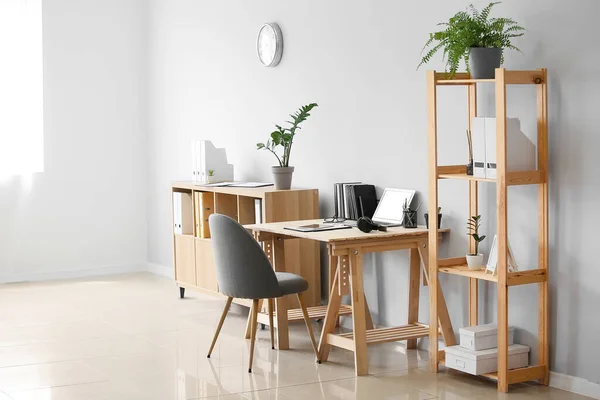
{"points": [[295, 314], [380, 335]]}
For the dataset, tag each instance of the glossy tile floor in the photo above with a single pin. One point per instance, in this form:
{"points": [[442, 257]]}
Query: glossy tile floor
{"points": [[131, 337]]}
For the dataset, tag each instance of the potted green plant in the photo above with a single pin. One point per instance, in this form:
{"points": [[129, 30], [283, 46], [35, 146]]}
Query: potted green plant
{"points": [[284, 137], [211, 175], [439, 218], [473, 36], [475, 260]]}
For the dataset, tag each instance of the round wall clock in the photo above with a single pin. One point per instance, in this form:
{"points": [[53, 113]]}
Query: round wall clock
{"points": [[269, 45]]}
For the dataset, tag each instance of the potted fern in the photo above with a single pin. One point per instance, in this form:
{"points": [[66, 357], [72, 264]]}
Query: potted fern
{"points": [[284, 137], [473, 36], [475, 260]]}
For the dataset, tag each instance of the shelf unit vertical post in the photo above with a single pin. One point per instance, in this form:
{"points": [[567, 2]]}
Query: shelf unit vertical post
{"points": [[542, 139], [473, 210], [433, 220], [502, 200]]}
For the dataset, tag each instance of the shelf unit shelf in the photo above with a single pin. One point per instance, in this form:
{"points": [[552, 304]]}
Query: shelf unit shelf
{"points": [[513, 178], [465, 177], [513, 278], [458, 266]]}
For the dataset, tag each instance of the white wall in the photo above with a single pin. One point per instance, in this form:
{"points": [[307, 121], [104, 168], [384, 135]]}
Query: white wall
{"points": [[86, 212], [357, 60]]}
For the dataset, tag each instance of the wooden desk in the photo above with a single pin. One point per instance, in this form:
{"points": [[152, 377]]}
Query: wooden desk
{"points": [[346, 248]]}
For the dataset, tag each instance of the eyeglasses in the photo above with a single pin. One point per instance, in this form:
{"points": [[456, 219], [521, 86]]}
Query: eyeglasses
{"points": [[333, 220]]}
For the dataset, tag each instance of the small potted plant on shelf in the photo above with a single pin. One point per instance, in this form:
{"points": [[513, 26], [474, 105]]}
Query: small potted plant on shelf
{"points": [[475, 261], [473, 36], [439, 218], [211, 175], [284, 137]]}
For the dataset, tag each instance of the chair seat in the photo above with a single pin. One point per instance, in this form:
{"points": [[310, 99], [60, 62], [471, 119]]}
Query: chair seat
{"points": [[291, 283]]}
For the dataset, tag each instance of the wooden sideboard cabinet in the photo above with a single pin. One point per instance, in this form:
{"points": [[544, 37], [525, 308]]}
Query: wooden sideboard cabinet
{"points": [[192, 250]]}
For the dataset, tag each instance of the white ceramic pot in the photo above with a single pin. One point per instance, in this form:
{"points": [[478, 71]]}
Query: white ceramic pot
{"points": [[475, 262], [283, 177]]}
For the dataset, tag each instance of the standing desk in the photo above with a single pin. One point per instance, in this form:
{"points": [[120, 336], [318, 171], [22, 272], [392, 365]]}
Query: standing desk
{"points": [[346, 248]]}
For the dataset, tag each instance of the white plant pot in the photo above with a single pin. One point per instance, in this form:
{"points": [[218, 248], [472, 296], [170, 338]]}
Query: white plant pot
{"points": [[283, 177], [475, 262]]}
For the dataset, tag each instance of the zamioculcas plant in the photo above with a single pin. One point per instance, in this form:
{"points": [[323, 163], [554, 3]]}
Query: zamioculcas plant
{"points": [[473, 224], [284, 137]]}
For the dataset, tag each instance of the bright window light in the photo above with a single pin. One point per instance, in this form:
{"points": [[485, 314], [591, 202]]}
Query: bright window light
{"points": [[21, 87]]}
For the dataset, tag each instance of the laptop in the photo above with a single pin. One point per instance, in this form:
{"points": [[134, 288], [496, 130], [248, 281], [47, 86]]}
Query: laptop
{"points": [[390, 208]]}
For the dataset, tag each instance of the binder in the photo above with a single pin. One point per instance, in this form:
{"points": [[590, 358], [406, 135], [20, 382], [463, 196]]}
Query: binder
{"points": [[478, 140], [187, 214], [177, 212], [365, 200], [197, 216], [520, 150], [490, 147], [205, 205], [194, 162], [258, 211]]}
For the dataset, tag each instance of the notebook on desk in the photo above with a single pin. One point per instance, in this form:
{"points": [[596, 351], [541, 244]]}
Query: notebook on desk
{"points": [[317, 227]]}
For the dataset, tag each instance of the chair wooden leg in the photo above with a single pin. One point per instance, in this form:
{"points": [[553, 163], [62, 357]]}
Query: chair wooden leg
{"points": [[271, 306], [225, 311], [308, 326], [255, 305]]}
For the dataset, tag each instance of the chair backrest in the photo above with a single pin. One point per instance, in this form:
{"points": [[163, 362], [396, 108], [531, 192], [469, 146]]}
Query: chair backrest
{"points": [[243, 269]]}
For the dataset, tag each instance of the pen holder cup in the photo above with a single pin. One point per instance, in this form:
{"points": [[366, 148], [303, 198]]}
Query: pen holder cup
{"points": [[409, 219], [427, 220]]}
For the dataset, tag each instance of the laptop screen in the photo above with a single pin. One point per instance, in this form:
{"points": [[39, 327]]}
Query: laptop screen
{"points": [[390, 206]]}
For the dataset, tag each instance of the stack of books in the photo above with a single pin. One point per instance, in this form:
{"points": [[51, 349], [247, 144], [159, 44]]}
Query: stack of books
{"points": [[353, 200]]}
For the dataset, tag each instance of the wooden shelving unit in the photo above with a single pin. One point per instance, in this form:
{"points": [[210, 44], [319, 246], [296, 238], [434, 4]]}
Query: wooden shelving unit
{"points": [[193, 254], [457, 266]]}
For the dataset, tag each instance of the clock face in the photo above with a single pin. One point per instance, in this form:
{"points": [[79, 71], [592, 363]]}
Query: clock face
{"points": [[269, 45]]}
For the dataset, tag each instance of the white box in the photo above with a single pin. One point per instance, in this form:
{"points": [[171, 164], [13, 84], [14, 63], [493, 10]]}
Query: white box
{"points": [[485, 361], [482, 337], [520, 151]]}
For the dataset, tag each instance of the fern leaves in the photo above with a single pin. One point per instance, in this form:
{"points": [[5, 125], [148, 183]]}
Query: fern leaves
{"points": [[471, 28]]}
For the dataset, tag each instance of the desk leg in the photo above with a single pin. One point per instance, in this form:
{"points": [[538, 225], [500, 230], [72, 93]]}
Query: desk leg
{"points": [[443, 316], [278, 260], [333, 265], [369, 320], [361, 360], [331, 317], [413, 292]]}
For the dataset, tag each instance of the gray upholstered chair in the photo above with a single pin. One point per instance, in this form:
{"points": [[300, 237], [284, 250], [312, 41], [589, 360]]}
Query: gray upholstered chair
{"points": [[244, 272]]}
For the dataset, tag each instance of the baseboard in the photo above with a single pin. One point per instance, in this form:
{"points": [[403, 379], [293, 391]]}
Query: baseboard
{"points": [[575, 385], [161, 270], [73, 274]]}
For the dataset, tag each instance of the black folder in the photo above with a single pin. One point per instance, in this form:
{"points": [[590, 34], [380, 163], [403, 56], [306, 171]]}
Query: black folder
{"points": [[365, 200]]}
